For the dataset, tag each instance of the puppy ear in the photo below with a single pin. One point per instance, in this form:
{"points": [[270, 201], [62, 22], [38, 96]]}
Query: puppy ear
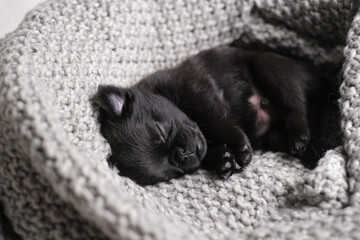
{"points": [[114, 100]]}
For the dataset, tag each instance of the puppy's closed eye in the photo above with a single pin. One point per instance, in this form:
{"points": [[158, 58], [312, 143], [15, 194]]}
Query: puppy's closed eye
{"points": [[162, 132]]}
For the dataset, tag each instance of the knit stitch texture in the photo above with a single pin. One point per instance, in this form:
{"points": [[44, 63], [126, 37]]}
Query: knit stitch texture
{"points": [[55, 182]]}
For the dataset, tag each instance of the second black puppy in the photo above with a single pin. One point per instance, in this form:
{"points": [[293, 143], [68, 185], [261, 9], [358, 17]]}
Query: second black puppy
{"points": [[210, 111]]}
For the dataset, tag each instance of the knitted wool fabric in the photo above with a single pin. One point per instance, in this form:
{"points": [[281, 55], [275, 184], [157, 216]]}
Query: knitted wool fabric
{"points": [[54, 179]]}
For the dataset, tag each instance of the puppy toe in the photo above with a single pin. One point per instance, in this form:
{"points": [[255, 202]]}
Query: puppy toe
{"points": [[244, 155], [227, 165]]}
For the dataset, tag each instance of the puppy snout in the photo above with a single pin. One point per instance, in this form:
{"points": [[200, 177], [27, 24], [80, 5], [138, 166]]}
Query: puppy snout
{"points": [[184, 155]]}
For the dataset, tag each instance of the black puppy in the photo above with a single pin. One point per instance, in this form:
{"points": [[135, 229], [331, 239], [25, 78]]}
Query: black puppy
{"points": [[210, 111]]}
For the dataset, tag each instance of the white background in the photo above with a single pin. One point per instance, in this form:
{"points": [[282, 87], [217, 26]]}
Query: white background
{"points": [[12, 12]]}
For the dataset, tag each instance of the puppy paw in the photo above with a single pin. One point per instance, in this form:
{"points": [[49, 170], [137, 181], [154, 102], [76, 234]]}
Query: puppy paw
{"points": [[220, 160], [243, 153], [226, 165]]}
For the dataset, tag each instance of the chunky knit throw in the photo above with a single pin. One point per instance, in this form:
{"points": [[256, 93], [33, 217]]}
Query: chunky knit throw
{"points": [[55, 182]]}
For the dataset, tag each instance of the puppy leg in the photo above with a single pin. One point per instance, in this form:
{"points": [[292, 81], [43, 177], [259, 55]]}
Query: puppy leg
{"points": [[202, 103], [284, 82]]}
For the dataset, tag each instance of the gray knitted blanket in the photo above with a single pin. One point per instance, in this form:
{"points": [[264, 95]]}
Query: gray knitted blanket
{"points": [[55, 182]]}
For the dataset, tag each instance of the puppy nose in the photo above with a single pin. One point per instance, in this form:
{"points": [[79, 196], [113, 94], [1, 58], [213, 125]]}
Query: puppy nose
{"points": [[183, 155]]}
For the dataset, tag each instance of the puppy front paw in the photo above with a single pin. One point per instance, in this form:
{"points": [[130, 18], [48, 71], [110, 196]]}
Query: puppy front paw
{"points": [[243, 152], [227, 164], [220, 160]]}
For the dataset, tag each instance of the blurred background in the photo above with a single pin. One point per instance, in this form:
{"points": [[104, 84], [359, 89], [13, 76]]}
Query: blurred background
{"points": [[12, 13]]}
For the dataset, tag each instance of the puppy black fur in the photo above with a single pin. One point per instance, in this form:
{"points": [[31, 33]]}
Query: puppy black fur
{"points": [[210, 111]]}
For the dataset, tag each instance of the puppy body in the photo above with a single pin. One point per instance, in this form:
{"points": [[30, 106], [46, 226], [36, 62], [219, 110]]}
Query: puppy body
{"points": [[235, 99]]}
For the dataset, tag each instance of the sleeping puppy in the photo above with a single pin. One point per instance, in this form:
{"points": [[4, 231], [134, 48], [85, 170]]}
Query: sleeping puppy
{"points": [[210, 111]]}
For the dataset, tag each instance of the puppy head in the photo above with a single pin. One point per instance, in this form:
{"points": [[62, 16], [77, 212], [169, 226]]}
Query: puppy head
{"points": [[151, 139]]}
